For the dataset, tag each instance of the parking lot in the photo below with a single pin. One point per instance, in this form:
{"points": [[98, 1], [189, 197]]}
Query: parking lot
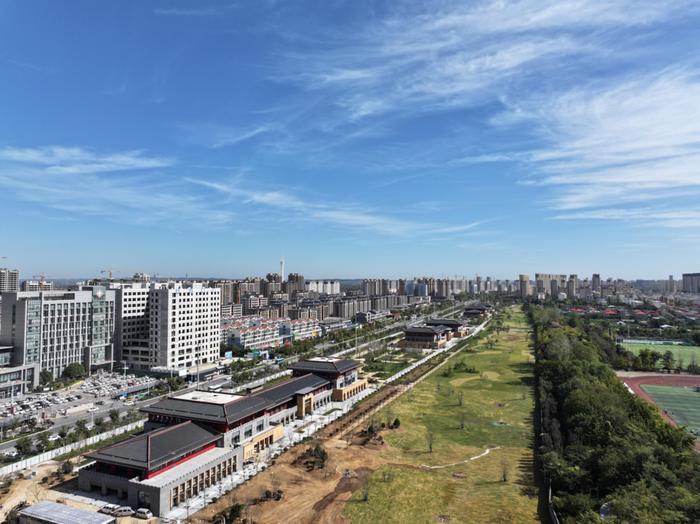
{"points": [[94, 396]]}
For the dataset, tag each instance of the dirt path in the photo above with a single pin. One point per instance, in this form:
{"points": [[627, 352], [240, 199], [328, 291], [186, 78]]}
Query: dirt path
{"points": [[476, 457]]}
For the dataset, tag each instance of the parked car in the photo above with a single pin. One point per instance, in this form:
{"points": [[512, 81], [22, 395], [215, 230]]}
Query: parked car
{"points": [[109, 509], [143, 513], [123, 511]]}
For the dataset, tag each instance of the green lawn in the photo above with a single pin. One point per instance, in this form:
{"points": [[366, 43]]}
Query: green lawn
{"points": [[684, 352], [497, 409], [682, 404]]}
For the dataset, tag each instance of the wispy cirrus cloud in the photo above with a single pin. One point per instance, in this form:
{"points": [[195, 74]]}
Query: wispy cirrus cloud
{"points": [[620, 145], [459, 54], [119, 186], [75, 160], [199, 10], [352, 216], [217, 136]]}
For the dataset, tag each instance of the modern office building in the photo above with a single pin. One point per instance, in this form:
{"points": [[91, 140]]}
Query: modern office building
{"points": [[691, 282], [193, 441], [9, 280], [56, 328], [15, 379], [595, 283]]}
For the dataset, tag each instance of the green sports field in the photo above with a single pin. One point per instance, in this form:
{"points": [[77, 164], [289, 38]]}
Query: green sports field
{"points": [[682, 404], [684, 352]]}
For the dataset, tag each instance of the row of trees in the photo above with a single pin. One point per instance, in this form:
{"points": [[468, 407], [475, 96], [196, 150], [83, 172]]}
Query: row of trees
{"points": [[604, 450], [27, 445]]}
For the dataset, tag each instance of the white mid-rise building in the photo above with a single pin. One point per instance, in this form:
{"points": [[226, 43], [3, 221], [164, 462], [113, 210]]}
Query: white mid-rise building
{"points": [[301, 329]]}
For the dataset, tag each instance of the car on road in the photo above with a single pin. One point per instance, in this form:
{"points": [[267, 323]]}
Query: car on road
{"points": [[93, 409], [143, 513], [10, 453], [54, 437], [129, 403]]}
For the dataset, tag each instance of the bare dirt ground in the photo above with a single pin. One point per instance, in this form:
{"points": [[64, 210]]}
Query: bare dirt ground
{"points": [[31, 490], [319, 496]]}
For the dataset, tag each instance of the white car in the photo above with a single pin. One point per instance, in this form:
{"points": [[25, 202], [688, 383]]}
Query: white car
{"points": [[54, 437], [108, 509], [143, 513], [93, 409], [11, 453]]}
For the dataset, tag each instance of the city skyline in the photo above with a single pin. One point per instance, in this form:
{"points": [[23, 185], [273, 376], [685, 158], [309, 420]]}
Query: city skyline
{"points": [[212, 139]]}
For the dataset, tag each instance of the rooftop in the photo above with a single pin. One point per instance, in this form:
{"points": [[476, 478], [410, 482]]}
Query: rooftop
{"points": [[165, 444], [175, 473], [209, 397], [56, 513], [237, 407], [325, 365]]}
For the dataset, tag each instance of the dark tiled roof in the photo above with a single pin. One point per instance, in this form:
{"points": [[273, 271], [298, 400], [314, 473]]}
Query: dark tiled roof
{"points": [[449, 322], [238, 408], [427, 330], [166, 444], [325, 366]]}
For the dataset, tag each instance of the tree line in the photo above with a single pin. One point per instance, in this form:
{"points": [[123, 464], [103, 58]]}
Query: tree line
{"points": [[605, 452]]}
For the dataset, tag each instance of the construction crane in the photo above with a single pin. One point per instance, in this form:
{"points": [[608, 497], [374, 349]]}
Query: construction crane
{"points": [[41, 276]]}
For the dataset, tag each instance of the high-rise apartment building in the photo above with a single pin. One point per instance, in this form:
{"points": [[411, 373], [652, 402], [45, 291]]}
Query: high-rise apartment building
{"points": [[56, 328], [185, 325], [691, 282], [524, 286], [595, 283], [324, 287], [9, 280], [296, 283]]}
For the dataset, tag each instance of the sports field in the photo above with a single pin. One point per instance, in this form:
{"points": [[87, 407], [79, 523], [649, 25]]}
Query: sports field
{"points": [[682, 404], [482, 472], [684, 352]]}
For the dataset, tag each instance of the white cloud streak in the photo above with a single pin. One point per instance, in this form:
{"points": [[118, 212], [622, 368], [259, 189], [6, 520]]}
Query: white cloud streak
{"points": [[77, 181], [621, 145], [345, 215]]}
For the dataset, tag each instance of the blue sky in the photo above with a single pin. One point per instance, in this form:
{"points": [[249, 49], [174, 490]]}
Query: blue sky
{"points": [[353, 138]]}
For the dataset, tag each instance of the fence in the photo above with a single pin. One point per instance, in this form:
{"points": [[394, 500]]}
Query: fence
{"points": [[49, 455]]}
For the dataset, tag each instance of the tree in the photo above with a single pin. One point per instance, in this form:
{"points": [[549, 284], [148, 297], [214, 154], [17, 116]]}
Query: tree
{"points": [[81, 427], [66, 467], [74, 371], [43, 442], [397, 422], [23, 445], [45, 377], [504, 470], [114, 416], [668, 361], [430, 440], [365, 491]]}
